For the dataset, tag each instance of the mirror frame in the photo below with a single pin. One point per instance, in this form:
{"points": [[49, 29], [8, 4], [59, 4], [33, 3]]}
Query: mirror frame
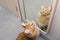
{"points": [[54, 5]]}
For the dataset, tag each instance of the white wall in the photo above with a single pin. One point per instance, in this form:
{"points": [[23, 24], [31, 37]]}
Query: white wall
{"points": [[55, 27], [11, 5]]}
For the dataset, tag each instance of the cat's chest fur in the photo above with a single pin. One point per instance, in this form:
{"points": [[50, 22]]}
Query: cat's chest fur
{"points": [[22, 36], [43, 19]]}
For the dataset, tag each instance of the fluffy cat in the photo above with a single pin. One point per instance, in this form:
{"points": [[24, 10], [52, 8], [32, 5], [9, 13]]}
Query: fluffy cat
{"points": [[31, 31], [44, 15]]}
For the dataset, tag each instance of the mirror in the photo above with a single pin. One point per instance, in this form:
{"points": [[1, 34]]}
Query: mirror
{"points": [[40, 11]]}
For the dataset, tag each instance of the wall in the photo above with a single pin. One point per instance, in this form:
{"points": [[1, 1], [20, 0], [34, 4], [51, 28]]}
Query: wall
{"points": [[55, 27], [11, 5]]}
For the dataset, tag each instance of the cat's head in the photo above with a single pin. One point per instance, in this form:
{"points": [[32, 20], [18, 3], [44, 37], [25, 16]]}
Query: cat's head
{"points": [[30, 29], [45, 11]]}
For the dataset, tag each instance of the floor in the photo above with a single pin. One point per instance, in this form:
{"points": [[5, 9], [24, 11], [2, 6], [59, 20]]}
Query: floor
{"points": [[10, 26]]}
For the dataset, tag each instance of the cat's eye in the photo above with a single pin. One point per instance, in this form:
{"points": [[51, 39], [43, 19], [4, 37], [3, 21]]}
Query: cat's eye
{"points": [[32, 8]]}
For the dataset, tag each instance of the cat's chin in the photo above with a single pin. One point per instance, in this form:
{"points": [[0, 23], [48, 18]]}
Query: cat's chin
{"points": [[29, 35]]}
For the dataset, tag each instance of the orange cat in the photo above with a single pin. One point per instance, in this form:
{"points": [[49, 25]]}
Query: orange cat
{"points": [[44, 15], [30, 32]]}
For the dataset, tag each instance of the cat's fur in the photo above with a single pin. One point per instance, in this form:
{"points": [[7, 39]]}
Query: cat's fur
{"points": [[22, 36], [44, 15], [31, 31]]}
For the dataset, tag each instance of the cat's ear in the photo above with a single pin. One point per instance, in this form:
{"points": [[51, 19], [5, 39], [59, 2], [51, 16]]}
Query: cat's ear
{"points": [[23, 25], [50, 8]]}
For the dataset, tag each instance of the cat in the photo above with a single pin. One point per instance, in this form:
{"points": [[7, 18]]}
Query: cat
{"points": [[31, 31], [43, 16]]}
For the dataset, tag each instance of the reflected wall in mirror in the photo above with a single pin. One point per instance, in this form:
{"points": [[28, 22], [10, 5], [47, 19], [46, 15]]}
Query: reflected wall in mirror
{"points": [[40, 11]]}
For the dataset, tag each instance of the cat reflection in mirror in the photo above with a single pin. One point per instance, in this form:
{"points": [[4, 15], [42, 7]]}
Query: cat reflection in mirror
{"points": [[43, 17], [31, 31]]}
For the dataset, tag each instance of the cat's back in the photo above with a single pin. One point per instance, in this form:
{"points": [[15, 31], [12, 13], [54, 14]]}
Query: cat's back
{"points": [[22, 36]]}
